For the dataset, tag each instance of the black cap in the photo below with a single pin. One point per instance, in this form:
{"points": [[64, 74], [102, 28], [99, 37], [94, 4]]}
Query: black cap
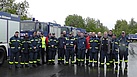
{"points": [[17, 32], [53, 33]]}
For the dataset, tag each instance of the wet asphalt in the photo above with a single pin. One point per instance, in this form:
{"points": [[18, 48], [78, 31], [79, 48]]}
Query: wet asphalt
{"points": [[62, 71]]}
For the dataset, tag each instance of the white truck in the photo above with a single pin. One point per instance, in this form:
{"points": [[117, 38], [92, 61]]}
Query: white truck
{"points": [[9, 23]]}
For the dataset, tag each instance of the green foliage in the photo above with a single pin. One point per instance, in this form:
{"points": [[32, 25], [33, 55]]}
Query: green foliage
{"points": [[12, 7], [88, 23], [75, 21], [123, 25]]}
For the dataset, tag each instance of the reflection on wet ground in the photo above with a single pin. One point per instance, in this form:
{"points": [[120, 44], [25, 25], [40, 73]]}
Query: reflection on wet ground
{"points": [[86, 71], [62, 71]]}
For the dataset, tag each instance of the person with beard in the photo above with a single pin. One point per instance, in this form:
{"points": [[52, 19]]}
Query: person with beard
{"points": [[70, 48], [94, 49], [52, 45], [25, 51], [81, 45], [61, 51], [15, 47]]}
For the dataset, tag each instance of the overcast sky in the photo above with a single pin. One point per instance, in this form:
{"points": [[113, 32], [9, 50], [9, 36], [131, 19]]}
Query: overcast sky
{"points": [[107, 11]]}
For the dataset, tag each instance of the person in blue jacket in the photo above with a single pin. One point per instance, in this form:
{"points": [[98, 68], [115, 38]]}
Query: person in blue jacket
{"points": [[81, 45], [15, 47], [25, 50], [34, 46], [70, 48], [94, 49], [61, 51], [52, 45]]}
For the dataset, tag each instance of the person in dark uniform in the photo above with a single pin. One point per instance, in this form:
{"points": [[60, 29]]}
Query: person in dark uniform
{"points": [[81, 45], [61, 50], [94, 49], [52, 44], [15, 47], [70, 48], [25, 51], [105, 49], [34, 46], [123, 49]]}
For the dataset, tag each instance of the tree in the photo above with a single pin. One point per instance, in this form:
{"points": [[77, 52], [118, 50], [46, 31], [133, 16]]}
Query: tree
{"points": [[121, 25], [75, 21], [20, 8], [93, 25]]}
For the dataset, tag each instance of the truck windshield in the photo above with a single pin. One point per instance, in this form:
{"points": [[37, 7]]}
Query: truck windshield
{"points": [[27, 26]]}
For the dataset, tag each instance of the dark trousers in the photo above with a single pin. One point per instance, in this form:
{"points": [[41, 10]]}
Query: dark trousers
{"points": [[69, 53], [38, 56], [33, 57], [52, 53], [61, 53], [47, 54], [93, 55], [123, 54], [12, 55], [43, 55], [81, 55], [87, 57], [104, 54], [24, 58]]}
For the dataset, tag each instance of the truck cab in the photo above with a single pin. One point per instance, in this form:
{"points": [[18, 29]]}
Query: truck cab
{"points": [[9, 23]]}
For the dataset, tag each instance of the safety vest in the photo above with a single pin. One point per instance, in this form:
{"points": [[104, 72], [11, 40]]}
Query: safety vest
{"points": [[43, 42]]}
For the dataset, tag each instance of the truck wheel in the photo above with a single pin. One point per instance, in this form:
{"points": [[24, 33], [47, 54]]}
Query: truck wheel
{"points": [[2, 55]]}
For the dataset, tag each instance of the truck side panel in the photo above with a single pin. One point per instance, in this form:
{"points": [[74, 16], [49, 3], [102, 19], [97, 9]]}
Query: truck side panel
{"points": [[12, 27], [3, 30]]}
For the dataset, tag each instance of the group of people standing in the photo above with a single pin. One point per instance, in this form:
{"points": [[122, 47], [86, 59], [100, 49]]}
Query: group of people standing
{"points": [[83, 49]]}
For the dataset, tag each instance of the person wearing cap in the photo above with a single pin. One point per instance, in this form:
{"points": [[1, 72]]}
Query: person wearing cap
{"points": [[25, 50], [105, 50], [61, 51], [70, 48], [34, 46], [15, 47], [81, 45], [114, 53], [94, 49], [123, 49], [52, 45]]}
